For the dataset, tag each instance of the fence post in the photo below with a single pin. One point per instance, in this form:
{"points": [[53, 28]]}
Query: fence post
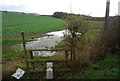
{"points": [[24, 48], [66, 56], [71, 54], [31, 56]]}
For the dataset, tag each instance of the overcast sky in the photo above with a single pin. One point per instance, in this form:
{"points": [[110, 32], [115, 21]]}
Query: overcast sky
{"points": [[48, 7]]}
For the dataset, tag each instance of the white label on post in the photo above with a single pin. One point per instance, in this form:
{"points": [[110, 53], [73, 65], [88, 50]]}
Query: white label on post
{"points": [[19, 73], [49, 64], [49, 73], [49, 70]]}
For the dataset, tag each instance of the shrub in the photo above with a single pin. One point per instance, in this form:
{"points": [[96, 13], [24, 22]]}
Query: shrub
{"points": [[76, 28], [108, 42]]}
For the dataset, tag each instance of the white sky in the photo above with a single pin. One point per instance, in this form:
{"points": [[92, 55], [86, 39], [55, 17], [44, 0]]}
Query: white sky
{"points": [[48, 7]]}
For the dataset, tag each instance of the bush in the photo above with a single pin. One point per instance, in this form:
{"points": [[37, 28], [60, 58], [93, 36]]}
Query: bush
{"points": [[108, 42], [76, 28]]}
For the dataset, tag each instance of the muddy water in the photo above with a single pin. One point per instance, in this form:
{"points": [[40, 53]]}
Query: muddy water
{"points": [[45, 42]]}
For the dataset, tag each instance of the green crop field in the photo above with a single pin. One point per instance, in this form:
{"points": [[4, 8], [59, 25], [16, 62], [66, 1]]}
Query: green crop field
{"points": [[15, 23]]}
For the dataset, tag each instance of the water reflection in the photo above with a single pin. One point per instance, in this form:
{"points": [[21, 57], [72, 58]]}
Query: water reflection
{"points": [[45, 43]]}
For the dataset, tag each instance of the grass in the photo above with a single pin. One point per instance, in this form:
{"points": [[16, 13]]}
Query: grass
{"points": [[17, 60], [11, 59], [15, 23], [95, 24], [7, 51], [105, 69]]}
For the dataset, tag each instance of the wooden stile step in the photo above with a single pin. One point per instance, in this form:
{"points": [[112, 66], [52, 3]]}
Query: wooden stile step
{"points": [[47, 60], [41, 70]]}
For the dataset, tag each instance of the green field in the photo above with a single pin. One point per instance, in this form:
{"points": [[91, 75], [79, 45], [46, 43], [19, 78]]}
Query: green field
{"points": [[15, 23]]}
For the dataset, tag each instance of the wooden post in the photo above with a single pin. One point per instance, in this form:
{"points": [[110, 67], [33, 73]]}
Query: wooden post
{"points": [[71, 55], [66, 56], [24, 48], [49, 70], [74, 55], [74, 48], [107, 14], [31, 56]]}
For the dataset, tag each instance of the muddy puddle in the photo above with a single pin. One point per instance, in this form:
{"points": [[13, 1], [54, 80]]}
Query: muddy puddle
{"points": [[43, 43]]}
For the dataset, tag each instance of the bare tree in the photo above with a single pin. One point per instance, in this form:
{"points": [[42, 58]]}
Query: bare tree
{"points": [[75, 28]]}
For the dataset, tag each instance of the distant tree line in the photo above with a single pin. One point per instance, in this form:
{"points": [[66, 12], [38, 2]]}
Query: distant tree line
{"points": [[63, 15], [60, 15]]}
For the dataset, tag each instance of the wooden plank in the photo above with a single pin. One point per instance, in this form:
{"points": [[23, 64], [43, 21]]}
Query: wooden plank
{"points": [[64, 69], [48, 49], [41, 70], [46, 60]]}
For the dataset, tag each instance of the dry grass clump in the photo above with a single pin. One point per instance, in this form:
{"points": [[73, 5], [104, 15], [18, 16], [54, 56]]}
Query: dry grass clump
{"points": [[9, 70], [107, 42]]}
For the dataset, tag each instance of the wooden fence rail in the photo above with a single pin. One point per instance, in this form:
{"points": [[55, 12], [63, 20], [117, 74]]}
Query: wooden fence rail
{"points": [[57, 49], [47, 60], [32, 60]]}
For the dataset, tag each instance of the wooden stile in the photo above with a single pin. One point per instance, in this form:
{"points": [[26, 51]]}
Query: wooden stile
{"points": [[49, 70]]}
